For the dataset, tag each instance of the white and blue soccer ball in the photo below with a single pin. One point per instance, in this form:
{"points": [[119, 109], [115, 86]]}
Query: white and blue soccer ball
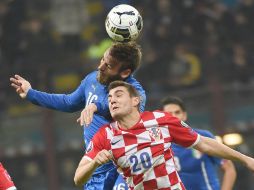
{"points": [[123, 23]]}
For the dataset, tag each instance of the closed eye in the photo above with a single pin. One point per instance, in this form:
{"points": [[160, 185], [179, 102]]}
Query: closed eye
{"points": [[108, 66], [119, 94]]}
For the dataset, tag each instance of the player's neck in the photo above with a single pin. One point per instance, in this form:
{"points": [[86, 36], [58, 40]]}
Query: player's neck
{"points": [[129, 120]]}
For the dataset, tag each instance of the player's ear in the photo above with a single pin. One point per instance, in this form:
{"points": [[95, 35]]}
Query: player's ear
{"points": [[185, 116], [136, 101], [126, 73]]}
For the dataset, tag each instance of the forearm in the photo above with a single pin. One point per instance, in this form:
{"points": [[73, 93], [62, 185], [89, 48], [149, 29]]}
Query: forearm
{"points": [[229, 176], [228, 181], [84, 172], [61, 102], [87, 166], [214, 148]]}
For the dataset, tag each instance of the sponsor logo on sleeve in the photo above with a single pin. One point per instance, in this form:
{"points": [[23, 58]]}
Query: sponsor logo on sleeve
{"points": [[89, 147]]}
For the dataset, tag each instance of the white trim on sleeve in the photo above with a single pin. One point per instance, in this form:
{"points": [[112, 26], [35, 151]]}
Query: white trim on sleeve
{"points": [[12, 188], [196, 142], [88, 158]]}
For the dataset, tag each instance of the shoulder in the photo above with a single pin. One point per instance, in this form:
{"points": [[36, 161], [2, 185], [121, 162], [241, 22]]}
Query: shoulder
{"points": [[100, 134], [132, 80], [158, 115], [91, 75], [103, 129], [89, 79], [149, 115]]}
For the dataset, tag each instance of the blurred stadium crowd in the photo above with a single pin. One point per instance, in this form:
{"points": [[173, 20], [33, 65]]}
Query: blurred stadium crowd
{"points": [[200, 50]]}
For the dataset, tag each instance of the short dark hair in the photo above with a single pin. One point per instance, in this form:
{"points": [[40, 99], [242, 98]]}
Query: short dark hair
{"points": [[173, 100], [132, 91], [128, 54]]}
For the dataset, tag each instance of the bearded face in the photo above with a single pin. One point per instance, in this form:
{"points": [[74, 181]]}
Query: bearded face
{"points": [[106, 78], [108, 69]]}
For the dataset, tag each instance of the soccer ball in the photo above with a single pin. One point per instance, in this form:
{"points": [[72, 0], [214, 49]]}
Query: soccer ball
{"points": [[123, 23]]}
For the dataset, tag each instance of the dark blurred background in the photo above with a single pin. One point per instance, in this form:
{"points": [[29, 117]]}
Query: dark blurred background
{"points": [[200, 50]]}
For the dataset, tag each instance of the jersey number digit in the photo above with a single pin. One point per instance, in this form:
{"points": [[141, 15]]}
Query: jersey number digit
{"points": [[120, 186], [91, 98], [145, 161]]}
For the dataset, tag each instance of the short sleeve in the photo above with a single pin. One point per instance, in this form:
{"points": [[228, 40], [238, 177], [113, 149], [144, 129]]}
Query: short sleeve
{"points": [[181, 133], [98, 143]]}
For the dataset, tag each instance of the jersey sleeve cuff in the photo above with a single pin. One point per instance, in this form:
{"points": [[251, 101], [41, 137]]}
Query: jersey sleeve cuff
{"points": [[30, 94], [12, 188], [196, 141], [88, 158]]}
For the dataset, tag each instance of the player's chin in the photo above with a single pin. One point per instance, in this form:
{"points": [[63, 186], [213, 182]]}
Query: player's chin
{"points": [[102, 79], [115, 114]]}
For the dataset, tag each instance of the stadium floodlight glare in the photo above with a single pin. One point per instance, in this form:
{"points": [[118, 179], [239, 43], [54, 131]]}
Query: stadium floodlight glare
{"points": [[233, 139], [219, 138]]}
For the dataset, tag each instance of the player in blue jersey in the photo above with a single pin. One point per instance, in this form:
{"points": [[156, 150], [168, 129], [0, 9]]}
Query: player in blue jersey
{"points": [[118, 63], [198, 171]]}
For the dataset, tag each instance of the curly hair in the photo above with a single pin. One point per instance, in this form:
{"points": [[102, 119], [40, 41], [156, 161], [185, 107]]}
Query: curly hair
{"points": [[127, 54]]}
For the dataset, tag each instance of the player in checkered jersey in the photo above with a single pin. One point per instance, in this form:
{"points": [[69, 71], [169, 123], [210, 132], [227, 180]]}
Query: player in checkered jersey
{"points": [[140, 144], [5, 180]]}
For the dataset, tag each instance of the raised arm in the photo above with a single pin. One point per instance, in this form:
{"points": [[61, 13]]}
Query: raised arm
{"points": [[62, 102], [214, 148]]}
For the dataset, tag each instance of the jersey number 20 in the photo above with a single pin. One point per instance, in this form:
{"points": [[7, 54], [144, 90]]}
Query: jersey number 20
{"points": [[143, 158]]}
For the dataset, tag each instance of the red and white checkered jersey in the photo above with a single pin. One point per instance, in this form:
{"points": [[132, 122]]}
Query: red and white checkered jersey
{"points": [[5, 180], [143, 153]]}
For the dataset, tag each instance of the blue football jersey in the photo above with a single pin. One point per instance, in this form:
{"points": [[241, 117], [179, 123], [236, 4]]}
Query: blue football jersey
{"points": [[120, 184], [89, 91], [198, 171]]}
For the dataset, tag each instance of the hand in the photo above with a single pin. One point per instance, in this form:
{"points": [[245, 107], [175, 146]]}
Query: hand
{"points": [[103, 157], [21, 85], [86, 115]]}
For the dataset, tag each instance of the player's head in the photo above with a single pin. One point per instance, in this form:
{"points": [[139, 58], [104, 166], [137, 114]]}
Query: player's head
{"points": [[123, 99], [175, 106], [119, 62]]}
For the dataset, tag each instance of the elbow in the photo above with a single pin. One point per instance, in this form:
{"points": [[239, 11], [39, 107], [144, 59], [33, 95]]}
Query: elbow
{"points": [[69, 110], [77, 181]]}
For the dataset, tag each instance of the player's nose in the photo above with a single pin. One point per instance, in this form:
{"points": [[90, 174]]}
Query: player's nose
{"points": [[101, 66], [112, 100]]}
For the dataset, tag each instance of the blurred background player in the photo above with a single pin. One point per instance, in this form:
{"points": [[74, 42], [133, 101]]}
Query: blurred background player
{"points": [[118, 63], [6, 182], [198, 171], [140, 144]]}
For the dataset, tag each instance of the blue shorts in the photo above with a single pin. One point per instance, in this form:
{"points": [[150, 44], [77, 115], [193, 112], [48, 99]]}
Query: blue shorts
{"points": [[102, 181]]}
